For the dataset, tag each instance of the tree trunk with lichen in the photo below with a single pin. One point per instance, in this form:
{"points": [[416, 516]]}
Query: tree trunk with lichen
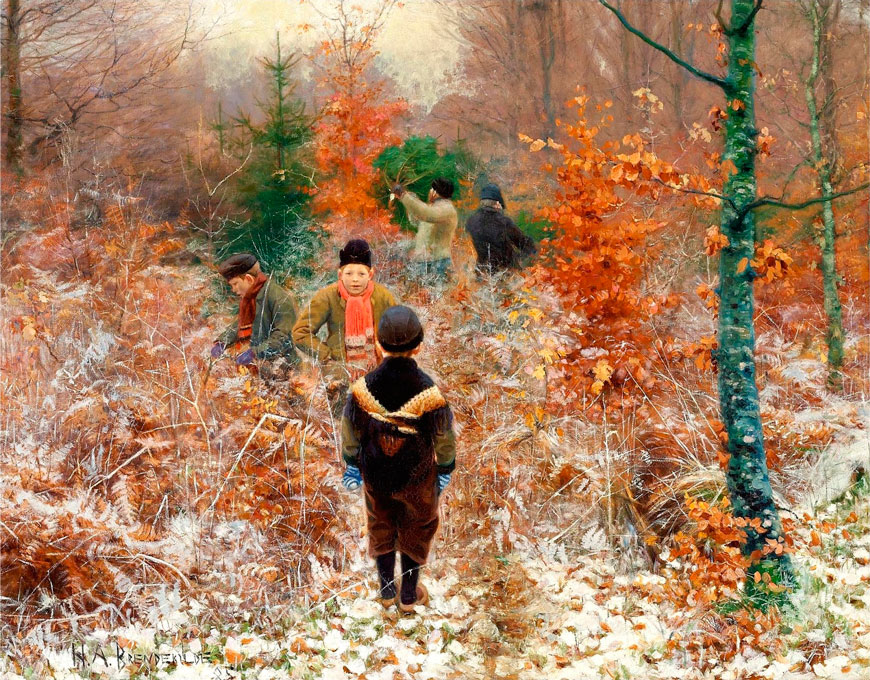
{"points": [[747, 475], [14, 114]]}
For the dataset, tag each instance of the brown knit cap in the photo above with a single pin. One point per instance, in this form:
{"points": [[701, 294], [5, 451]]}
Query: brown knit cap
{"points": [[237, 265]]}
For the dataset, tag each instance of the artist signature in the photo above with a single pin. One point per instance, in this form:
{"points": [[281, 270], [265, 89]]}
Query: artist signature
{"points": [[118, 657]]}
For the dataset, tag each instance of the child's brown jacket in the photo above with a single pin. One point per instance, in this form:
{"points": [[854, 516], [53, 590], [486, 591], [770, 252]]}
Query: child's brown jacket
{"points": [[398, 429], [327, 307]]}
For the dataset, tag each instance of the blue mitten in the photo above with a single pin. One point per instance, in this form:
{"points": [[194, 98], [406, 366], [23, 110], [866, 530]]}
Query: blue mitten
{"points": [[443, 481], [352, 478], [245, 358], [217, 349]]}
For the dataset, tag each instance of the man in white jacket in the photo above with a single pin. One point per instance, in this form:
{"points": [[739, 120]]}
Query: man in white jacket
{"points": [[436, 223]]}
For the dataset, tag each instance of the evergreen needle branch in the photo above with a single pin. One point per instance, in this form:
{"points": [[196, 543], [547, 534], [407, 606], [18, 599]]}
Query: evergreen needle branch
{"points": [[777, 202], [694, 70]]}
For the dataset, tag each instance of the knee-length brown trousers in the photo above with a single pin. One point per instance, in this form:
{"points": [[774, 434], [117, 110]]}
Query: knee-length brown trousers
{"points": [[405, 520]]}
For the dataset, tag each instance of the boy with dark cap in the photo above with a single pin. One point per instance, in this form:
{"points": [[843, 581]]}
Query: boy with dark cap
{"points": [[397, 437], [436, 223], [497, 241], [350, 309], [267, 313]]}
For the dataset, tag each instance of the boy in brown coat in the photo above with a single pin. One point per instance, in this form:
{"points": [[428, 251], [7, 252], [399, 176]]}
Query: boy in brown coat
{"points": [[397, 437], [350, 309]]}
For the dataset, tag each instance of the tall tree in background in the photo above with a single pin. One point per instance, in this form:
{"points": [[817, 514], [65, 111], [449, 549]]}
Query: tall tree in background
{"points": [[286, 127], [275, 188], [821, 96], [12, 75], [356, 122], [516, 58], [747, 473], [523, 60], [81, 64]]}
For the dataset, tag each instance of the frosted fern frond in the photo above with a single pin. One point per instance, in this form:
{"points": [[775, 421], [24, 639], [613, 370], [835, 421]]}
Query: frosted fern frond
{"points": [[594, 540]]}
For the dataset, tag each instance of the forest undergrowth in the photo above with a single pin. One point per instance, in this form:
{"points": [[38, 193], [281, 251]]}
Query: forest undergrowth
{"points": [[156, 501]]}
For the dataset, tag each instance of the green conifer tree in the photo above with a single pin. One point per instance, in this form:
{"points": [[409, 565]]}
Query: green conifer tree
{"points": [[274, 187]]}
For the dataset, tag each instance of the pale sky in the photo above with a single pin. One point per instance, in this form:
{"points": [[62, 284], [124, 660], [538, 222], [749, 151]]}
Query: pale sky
{"points": [[421, 60]]}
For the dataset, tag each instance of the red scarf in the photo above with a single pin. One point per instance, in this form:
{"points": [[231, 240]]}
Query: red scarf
{"points": [[359, 331], [248, 307]]}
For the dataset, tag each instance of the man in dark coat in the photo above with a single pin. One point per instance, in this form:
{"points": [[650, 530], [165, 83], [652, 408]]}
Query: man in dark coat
{"points": [[497, 241], [397, 438]]}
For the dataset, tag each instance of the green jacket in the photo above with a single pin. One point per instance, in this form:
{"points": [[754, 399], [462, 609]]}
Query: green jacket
{"points": [[327, 307], [271, 334]]}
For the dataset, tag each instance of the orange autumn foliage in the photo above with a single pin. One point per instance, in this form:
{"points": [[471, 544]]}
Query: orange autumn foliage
{"points": [[140, 418], [354, 126], [602, 247], [709, 554]]}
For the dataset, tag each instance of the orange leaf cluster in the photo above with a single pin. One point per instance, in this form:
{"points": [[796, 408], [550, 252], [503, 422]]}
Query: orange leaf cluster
{"points": [[765, 143], [771, 262], [712, 564], [710, 297], [784, 443], [714, 241], [703, 352], [356, 124]]}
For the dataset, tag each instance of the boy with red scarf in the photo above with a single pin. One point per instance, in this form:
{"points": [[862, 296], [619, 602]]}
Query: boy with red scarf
{"points": [[350, 309], [266, 317]]}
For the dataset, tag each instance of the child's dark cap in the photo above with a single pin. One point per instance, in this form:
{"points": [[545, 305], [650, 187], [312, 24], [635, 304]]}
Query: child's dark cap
{"points": [[355, 251], [237, 265], [399, 329]]}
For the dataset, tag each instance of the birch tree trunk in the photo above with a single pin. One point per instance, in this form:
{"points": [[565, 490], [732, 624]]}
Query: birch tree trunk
{"points": [[819, 15]]}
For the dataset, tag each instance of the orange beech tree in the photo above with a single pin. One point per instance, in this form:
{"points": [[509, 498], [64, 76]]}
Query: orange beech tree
{"points": [[599, 254], [356, 123]]}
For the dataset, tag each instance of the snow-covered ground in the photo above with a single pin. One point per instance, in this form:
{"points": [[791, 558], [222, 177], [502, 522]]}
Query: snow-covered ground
{"points": [[534, 593], [525, 615]]}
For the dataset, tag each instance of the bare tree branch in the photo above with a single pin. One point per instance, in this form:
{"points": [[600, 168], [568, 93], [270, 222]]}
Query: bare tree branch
{"points": [[746, 22], [777, 202], [703, 75], [709, 194]]}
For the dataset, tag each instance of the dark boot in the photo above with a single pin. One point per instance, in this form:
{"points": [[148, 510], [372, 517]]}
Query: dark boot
{"points": [[387, 577], [412, 592]]}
